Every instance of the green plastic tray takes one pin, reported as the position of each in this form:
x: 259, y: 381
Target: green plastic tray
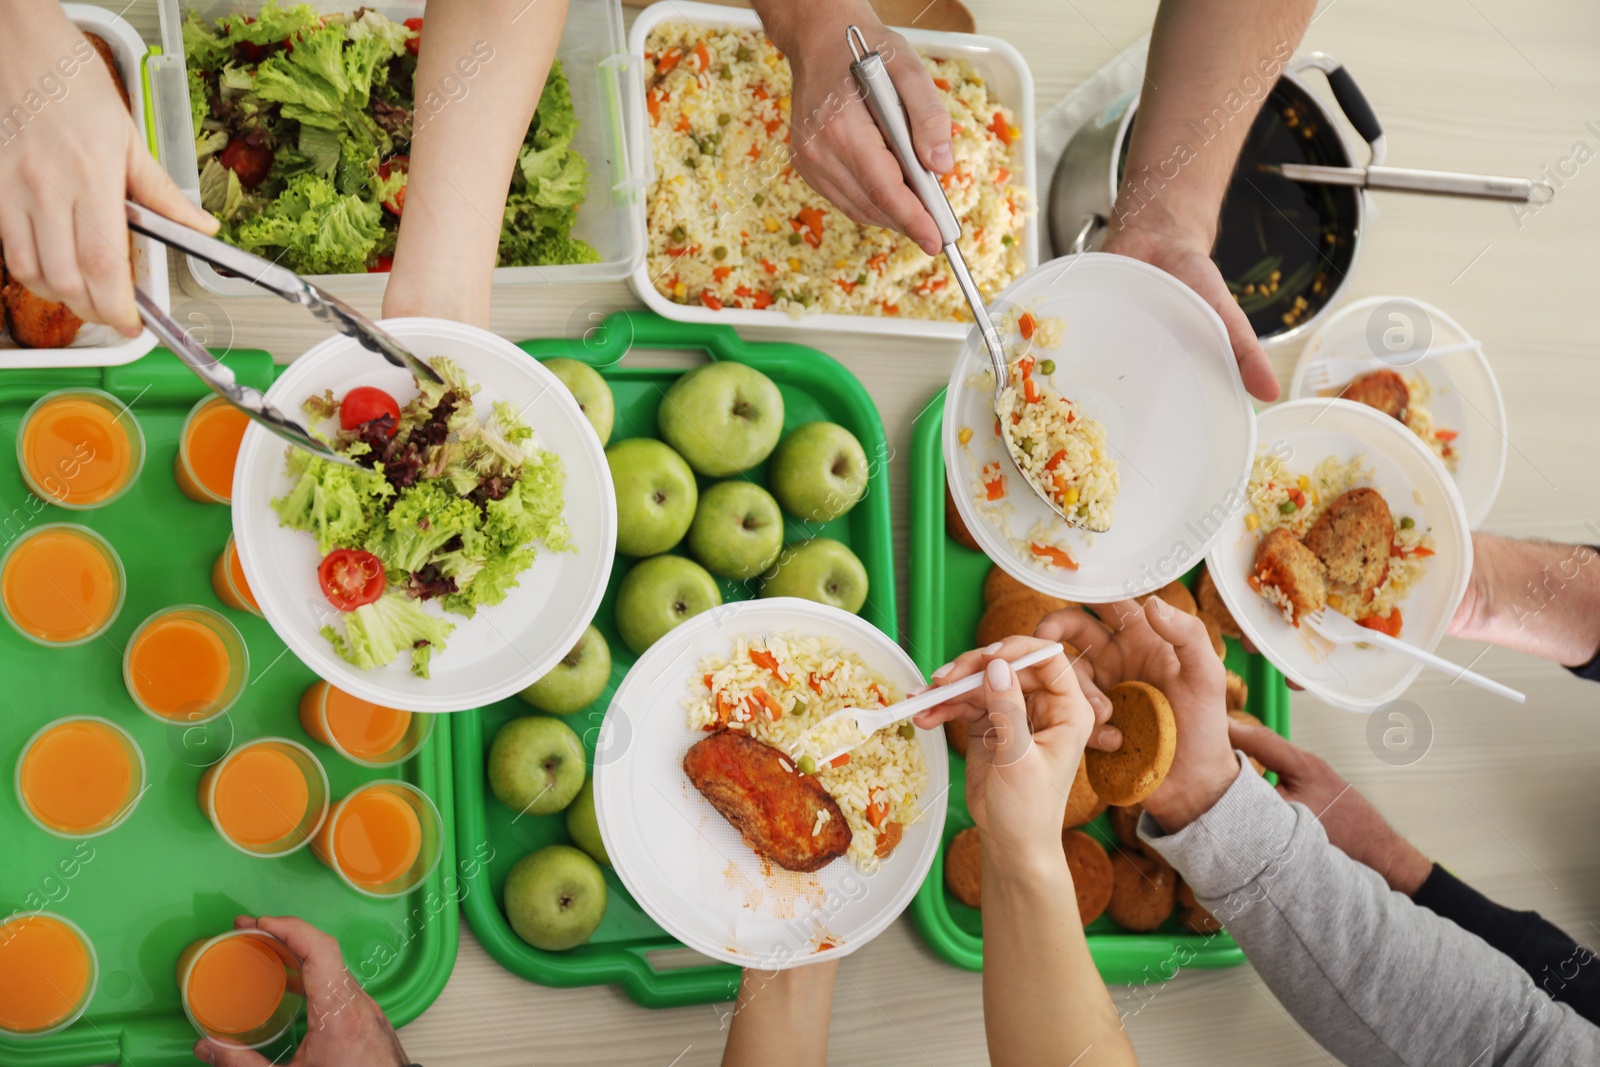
x: 629, y: 948
x: 946, y: 602
x: 164, y: 878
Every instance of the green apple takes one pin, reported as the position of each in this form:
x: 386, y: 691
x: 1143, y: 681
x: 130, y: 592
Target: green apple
x: 737, y: 530
x: 823, y: 570
x: 819, y: 472
x: 583, y: 827
x: 723, y: 417
x: 660, y: 593
x: 656, y: 495
x: 536, y: 765
x: 590, y: 391
x: 555, y: 898
x: 577, y: 680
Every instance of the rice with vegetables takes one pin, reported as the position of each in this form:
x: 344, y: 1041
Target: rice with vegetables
x: 732, y: 225
x: 1419, y: 420
x: 776, y: 688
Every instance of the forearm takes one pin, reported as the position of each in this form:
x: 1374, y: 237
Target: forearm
x: 479, y: 75
x: 788, y: 22
x: 1371, y: 976
x: 1534, y: 597
x: 1210, y: 66
x: 781, y: 1018
x: 1043, y: 1001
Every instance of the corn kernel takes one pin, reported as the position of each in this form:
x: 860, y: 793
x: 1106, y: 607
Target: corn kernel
x: 1335, y: 601
x: 1303, y: 482
x: 794, y: 264
x: 841, y: 263
x: 964, y: 435
x: 1071, y: 497
x: 1252, y: 522
x: 680, y: 289
x: 783, y: 104
x: 1098, y: 453
x: 770, y: 224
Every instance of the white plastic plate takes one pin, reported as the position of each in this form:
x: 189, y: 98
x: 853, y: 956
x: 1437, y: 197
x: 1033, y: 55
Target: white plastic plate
x: 1002, y: 68
x: 1302, y: 433
x: 500, y: 650
x: 1148, y: 358
x: 686, y: 865
x: 1466, y: 396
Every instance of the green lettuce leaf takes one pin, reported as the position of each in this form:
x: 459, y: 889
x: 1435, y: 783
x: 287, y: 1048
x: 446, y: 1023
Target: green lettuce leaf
x: 325, y: 231
x: 378, y: 632
x: 338, y: 505
x: 423, y: 518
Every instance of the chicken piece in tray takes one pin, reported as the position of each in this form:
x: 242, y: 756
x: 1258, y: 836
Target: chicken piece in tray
x: 1289, y: 575
x: 35, y: 322
x: 783, y: 815
x: 1352, y: 538
x: 1384, y: 390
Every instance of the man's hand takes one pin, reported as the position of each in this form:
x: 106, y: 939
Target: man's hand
x: 834, y: 142
x: 344, y: 1026
x: 1352, y: 824
x: 1157, y: 644
x: 1189, y: 260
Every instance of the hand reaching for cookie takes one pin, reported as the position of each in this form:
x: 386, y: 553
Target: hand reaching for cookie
x: 1161, y: 646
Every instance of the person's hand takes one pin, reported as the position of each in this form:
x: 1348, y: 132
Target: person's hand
x: 66, y: 172
x: 833, y: 140
x: 1164, y: 647
x: 1477, y: 608
x: 1026, y: 733
x: 1352, y: 824
x: 344, y: 1026
x: 1187, y: 257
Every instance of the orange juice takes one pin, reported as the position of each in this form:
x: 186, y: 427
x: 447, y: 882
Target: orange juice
x: 61, y: 584
x: 373, y: 836
x: 46, y: 974
x: 79, y: 776
x: 76, y: 448
x: 206, y: 454
x: 227, y: 581
x: 235, y: 985
x: 185, y: 664
x: 259, y: 796
x: 360, y: 729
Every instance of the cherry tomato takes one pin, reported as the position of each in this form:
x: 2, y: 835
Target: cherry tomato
x: 350, y: 578
x: 381, y: 265
x: 414, y: 45
x: 396, y: 202
x: 365, y: 403
x: 250, y: 162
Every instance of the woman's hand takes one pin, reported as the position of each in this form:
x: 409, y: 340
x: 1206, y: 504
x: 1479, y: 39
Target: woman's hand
x: 1026, y: 733
x: 1157, y: 644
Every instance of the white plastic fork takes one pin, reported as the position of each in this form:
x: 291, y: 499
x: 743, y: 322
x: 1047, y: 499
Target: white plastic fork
x: 1341, y: 370
x: 870, y: 720
x: 1342, y: 630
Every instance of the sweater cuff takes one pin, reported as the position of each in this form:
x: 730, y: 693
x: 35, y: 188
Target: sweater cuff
x: 1246, y: 831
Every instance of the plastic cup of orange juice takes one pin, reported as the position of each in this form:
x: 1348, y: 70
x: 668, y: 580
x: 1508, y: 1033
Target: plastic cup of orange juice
x: 80, y: 776
x: 48, y: 974
x: 185, y: 665
x: 61, y: 584
x: 267, y: 797
x: 79, y: 448
x: 359, y: 730
x: 227, y: 581
x: 207, y: 450
x: 241, y: 989
x: 383, y: 839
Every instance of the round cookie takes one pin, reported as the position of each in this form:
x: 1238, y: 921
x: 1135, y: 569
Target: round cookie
x: 998, y: 584
x: 1177, y: 594
x: 1143, y: 891
x: 1238, y: 692
x: 1091, y: 873
x: 1083, y: 803
x: 1212, y: 607
x: 1124, y: 822
x: 1192, y: 915
x: 1240, y: 715
x: 955, y: 735
x: 954, y: 526
x: 963, y: 867
x: 1214, y: 632
x: 1149, y: 741
x: 1019, y: 612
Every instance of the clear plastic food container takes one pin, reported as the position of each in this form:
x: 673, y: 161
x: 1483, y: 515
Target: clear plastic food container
x: 611, y: 139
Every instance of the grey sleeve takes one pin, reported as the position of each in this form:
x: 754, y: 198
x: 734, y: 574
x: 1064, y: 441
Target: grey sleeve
x: 1371, y: 976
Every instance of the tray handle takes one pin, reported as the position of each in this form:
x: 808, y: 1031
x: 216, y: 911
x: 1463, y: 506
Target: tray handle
x: 604, y: 345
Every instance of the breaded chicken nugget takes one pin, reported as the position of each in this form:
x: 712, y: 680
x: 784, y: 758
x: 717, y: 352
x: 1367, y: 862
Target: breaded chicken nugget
x: 1290, y: 575
x: 1352, y: 538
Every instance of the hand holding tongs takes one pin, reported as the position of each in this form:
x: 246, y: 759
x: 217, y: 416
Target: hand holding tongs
x: 274, y: 279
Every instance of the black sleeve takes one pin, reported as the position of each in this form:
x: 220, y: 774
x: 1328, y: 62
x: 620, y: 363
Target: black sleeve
x: 1589, y: 671
x: 1557, y: 964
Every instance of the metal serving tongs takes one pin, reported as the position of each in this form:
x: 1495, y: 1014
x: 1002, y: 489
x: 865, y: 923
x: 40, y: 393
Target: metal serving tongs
x: 878, y: 90
x: 274, y: 279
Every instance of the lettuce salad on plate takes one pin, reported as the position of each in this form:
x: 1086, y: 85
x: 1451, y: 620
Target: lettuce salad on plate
x: 452, y: 509
x: 303, y: 124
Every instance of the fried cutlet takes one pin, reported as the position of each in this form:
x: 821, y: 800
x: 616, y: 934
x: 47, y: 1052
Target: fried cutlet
x: 1290, y: 575
x: 773, y: 806
x: 1381, y: 389
x: 35, y: 322
x: 1352, y: 538
x: 104, y: 49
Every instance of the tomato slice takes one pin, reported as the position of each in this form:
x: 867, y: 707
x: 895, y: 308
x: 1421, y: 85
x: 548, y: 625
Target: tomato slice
x: 414, y: 45
x: 365, y: 403
x: 251, y: 162
x: 395, y: 203
x: 350, y: 578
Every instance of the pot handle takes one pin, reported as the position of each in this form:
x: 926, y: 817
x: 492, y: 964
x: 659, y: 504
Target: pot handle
x: 1352, y: 101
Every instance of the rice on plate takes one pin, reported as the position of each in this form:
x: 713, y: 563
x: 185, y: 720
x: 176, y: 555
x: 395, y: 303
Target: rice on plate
x: 777, y: 688
x: 732, y: 225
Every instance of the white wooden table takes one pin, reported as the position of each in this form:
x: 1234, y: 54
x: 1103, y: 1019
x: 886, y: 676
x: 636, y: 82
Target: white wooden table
x: 1504, y: 797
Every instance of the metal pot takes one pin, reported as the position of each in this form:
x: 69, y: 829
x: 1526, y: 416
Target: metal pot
x: 1084, y: 188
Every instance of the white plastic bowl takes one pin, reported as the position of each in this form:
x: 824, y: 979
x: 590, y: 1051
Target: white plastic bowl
x: 1414, y: 484
x: 686, y: 865
x: 500, y: 650
x: 1148, y: 358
